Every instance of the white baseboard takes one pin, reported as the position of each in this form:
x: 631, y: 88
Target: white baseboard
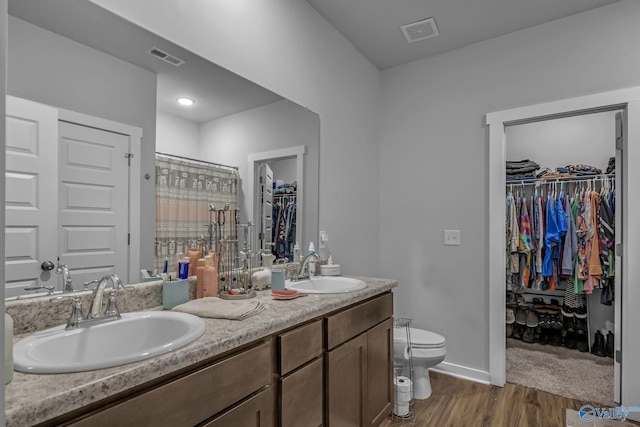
x: 463, y: 372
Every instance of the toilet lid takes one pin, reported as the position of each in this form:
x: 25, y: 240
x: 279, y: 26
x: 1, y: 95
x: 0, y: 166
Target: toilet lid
x: 421, y: 338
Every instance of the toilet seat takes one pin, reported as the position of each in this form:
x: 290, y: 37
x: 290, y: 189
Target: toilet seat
x: 421, y: 339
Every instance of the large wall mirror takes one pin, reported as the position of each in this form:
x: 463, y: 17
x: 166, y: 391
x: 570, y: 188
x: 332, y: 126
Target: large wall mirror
x: 106, y: 83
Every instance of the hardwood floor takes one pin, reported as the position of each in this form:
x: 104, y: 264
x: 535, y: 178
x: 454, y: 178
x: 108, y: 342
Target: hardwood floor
x: 461, y: 403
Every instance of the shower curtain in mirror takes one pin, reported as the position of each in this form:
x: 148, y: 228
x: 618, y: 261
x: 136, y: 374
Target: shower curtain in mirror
x: 185, y: 188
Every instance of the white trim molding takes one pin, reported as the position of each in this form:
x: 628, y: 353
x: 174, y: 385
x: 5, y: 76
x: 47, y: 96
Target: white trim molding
x: 628, y: 99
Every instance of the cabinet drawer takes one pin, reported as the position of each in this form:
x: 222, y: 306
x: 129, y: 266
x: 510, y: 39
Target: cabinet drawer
x: 301, y: 397
x: 195, y: 397
x: 348, y: 323
x: 254, y: 412
x: 298, y: 346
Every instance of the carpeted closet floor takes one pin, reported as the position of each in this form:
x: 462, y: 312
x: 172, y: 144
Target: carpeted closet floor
x: 562, y: 371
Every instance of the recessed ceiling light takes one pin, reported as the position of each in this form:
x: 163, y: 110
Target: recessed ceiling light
x: 187, y: 102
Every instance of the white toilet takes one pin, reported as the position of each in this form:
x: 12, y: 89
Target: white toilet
x: 427, y: 350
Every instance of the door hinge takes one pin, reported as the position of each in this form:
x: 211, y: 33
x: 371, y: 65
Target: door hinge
x: 618, y: 356
x: 128, y: 156
x: 128, y: 239
x: 619, y: 250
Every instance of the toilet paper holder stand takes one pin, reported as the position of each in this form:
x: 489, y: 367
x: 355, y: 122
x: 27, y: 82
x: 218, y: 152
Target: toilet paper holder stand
x: 403, y: 406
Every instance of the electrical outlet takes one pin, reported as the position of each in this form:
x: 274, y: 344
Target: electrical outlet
x: 451, y: 237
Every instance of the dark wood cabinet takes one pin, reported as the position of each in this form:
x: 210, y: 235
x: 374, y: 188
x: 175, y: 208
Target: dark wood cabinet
x: 379, y: 372
x: 300, y: 402
x: 254, y: 412
x: 347, y: 383
x: 359, y: 372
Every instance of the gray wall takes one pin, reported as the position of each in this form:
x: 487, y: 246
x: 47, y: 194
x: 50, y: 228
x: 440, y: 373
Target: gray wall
x: 434, y: 157
x: 53, y: 70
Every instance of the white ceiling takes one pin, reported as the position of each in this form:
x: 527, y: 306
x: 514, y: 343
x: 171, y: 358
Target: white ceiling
x: 217, y: 91
x: 373, y: 26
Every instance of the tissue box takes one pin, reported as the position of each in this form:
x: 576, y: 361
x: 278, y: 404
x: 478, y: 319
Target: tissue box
x: 175, y: 293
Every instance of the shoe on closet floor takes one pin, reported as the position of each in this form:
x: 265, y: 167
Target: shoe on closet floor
x: 544, y: 336
x: 555, y: 319
x: 543, y: 319
x: 510, y: 327
x: 511, y: 300
x: 511, y: 317
x: 581, y: 312
x: 521, y: 316
x: 528, y: 335
x: 567, y: 311
x: 532, y: 319
x: 556, y: 338
x: 518, y: 331
x: 609, y: 346
x: 570, y: 339
x: 598, y: 345
x: 581, y: 341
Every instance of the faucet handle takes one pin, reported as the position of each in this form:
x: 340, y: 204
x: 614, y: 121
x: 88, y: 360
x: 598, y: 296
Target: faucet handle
x: 85, y: 285
x: 49, y: 289
x: 112, y: 304
x: 76, y: 315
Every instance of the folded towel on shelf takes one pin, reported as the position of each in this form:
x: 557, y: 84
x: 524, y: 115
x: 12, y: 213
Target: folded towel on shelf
x: 217, y: 308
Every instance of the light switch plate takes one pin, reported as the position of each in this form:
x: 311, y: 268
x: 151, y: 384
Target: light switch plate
x: 451, y: 238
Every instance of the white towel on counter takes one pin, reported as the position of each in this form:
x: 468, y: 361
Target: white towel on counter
x: 221, y: 309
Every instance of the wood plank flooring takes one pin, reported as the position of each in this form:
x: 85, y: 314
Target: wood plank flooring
x: 460, y: 403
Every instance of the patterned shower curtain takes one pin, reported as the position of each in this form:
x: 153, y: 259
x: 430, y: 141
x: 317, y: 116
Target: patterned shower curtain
x: 185, y: 189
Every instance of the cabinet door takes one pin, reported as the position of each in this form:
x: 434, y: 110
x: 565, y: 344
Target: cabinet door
x: 301, y: 397
x: 254, y: 412
x: 346, y: 368
x: 379, y: 372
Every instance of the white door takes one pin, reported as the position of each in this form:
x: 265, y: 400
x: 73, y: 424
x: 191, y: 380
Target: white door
x: 31, y: 195
x: 93, y: 202
x: 266, y: 207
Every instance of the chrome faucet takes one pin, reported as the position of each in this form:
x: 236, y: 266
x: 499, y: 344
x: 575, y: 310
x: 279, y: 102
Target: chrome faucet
x: 96, y: 303
x: 77, y: 319
x: 66, y: 276
x: 304, y: 262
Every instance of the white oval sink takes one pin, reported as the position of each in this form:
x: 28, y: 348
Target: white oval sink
x: 136, y: 336
x: 327, y: 285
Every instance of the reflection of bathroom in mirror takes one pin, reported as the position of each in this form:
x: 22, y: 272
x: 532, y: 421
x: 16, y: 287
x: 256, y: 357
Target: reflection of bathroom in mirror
x: 94, y: 70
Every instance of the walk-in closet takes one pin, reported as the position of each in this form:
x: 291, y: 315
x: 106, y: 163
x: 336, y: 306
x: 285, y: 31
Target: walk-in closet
x: 560, y: 279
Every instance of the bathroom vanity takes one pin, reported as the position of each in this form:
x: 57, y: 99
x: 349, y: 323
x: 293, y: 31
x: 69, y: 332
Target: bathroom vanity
x: 305, y: 362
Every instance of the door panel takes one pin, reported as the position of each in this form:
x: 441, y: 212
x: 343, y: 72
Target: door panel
x: 620, y: 132
x: 93, y: 202
x: 30, y: 205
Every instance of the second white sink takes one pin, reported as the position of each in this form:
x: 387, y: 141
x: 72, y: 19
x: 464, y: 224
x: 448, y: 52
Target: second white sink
x: 136, y: 336
x: 327, y: 285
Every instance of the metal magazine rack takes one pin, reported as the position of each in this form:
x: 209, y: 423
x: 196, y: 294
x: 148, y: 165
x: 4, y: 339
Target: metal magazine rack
x: 403, y: 408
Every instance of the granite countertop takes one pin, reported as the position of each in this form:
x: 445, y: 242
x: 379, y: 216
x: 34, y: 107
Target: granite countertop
x: 33, y: 398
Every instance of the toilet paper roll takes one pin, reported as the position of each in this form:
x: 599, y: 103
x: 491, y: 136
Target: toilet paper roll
x: 400, y: 410
x: 403, y: 390
x: 401, y: 350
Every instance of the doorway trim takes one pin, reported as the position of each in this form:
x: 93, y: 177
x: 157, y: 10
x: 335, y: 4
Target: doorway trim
x: 255, y: 159
x: 497, y: 121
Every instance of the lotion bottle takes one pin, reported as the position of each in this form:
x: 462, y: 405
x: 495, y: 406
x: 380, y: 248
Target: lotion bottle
x: 200, y: 272
x: 311, y: 265
x: 210, y: 283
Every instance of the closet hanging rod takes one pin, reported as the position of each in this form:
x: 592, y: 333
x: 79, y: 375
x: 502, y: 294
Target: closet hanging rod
x: 541, y: 181
x: 197, y: 160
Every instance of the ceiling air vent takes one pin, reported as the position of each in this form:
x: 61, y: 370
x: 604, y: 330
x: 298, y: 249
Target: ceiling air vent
x: 420, y: 30
x: 167, y: 57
